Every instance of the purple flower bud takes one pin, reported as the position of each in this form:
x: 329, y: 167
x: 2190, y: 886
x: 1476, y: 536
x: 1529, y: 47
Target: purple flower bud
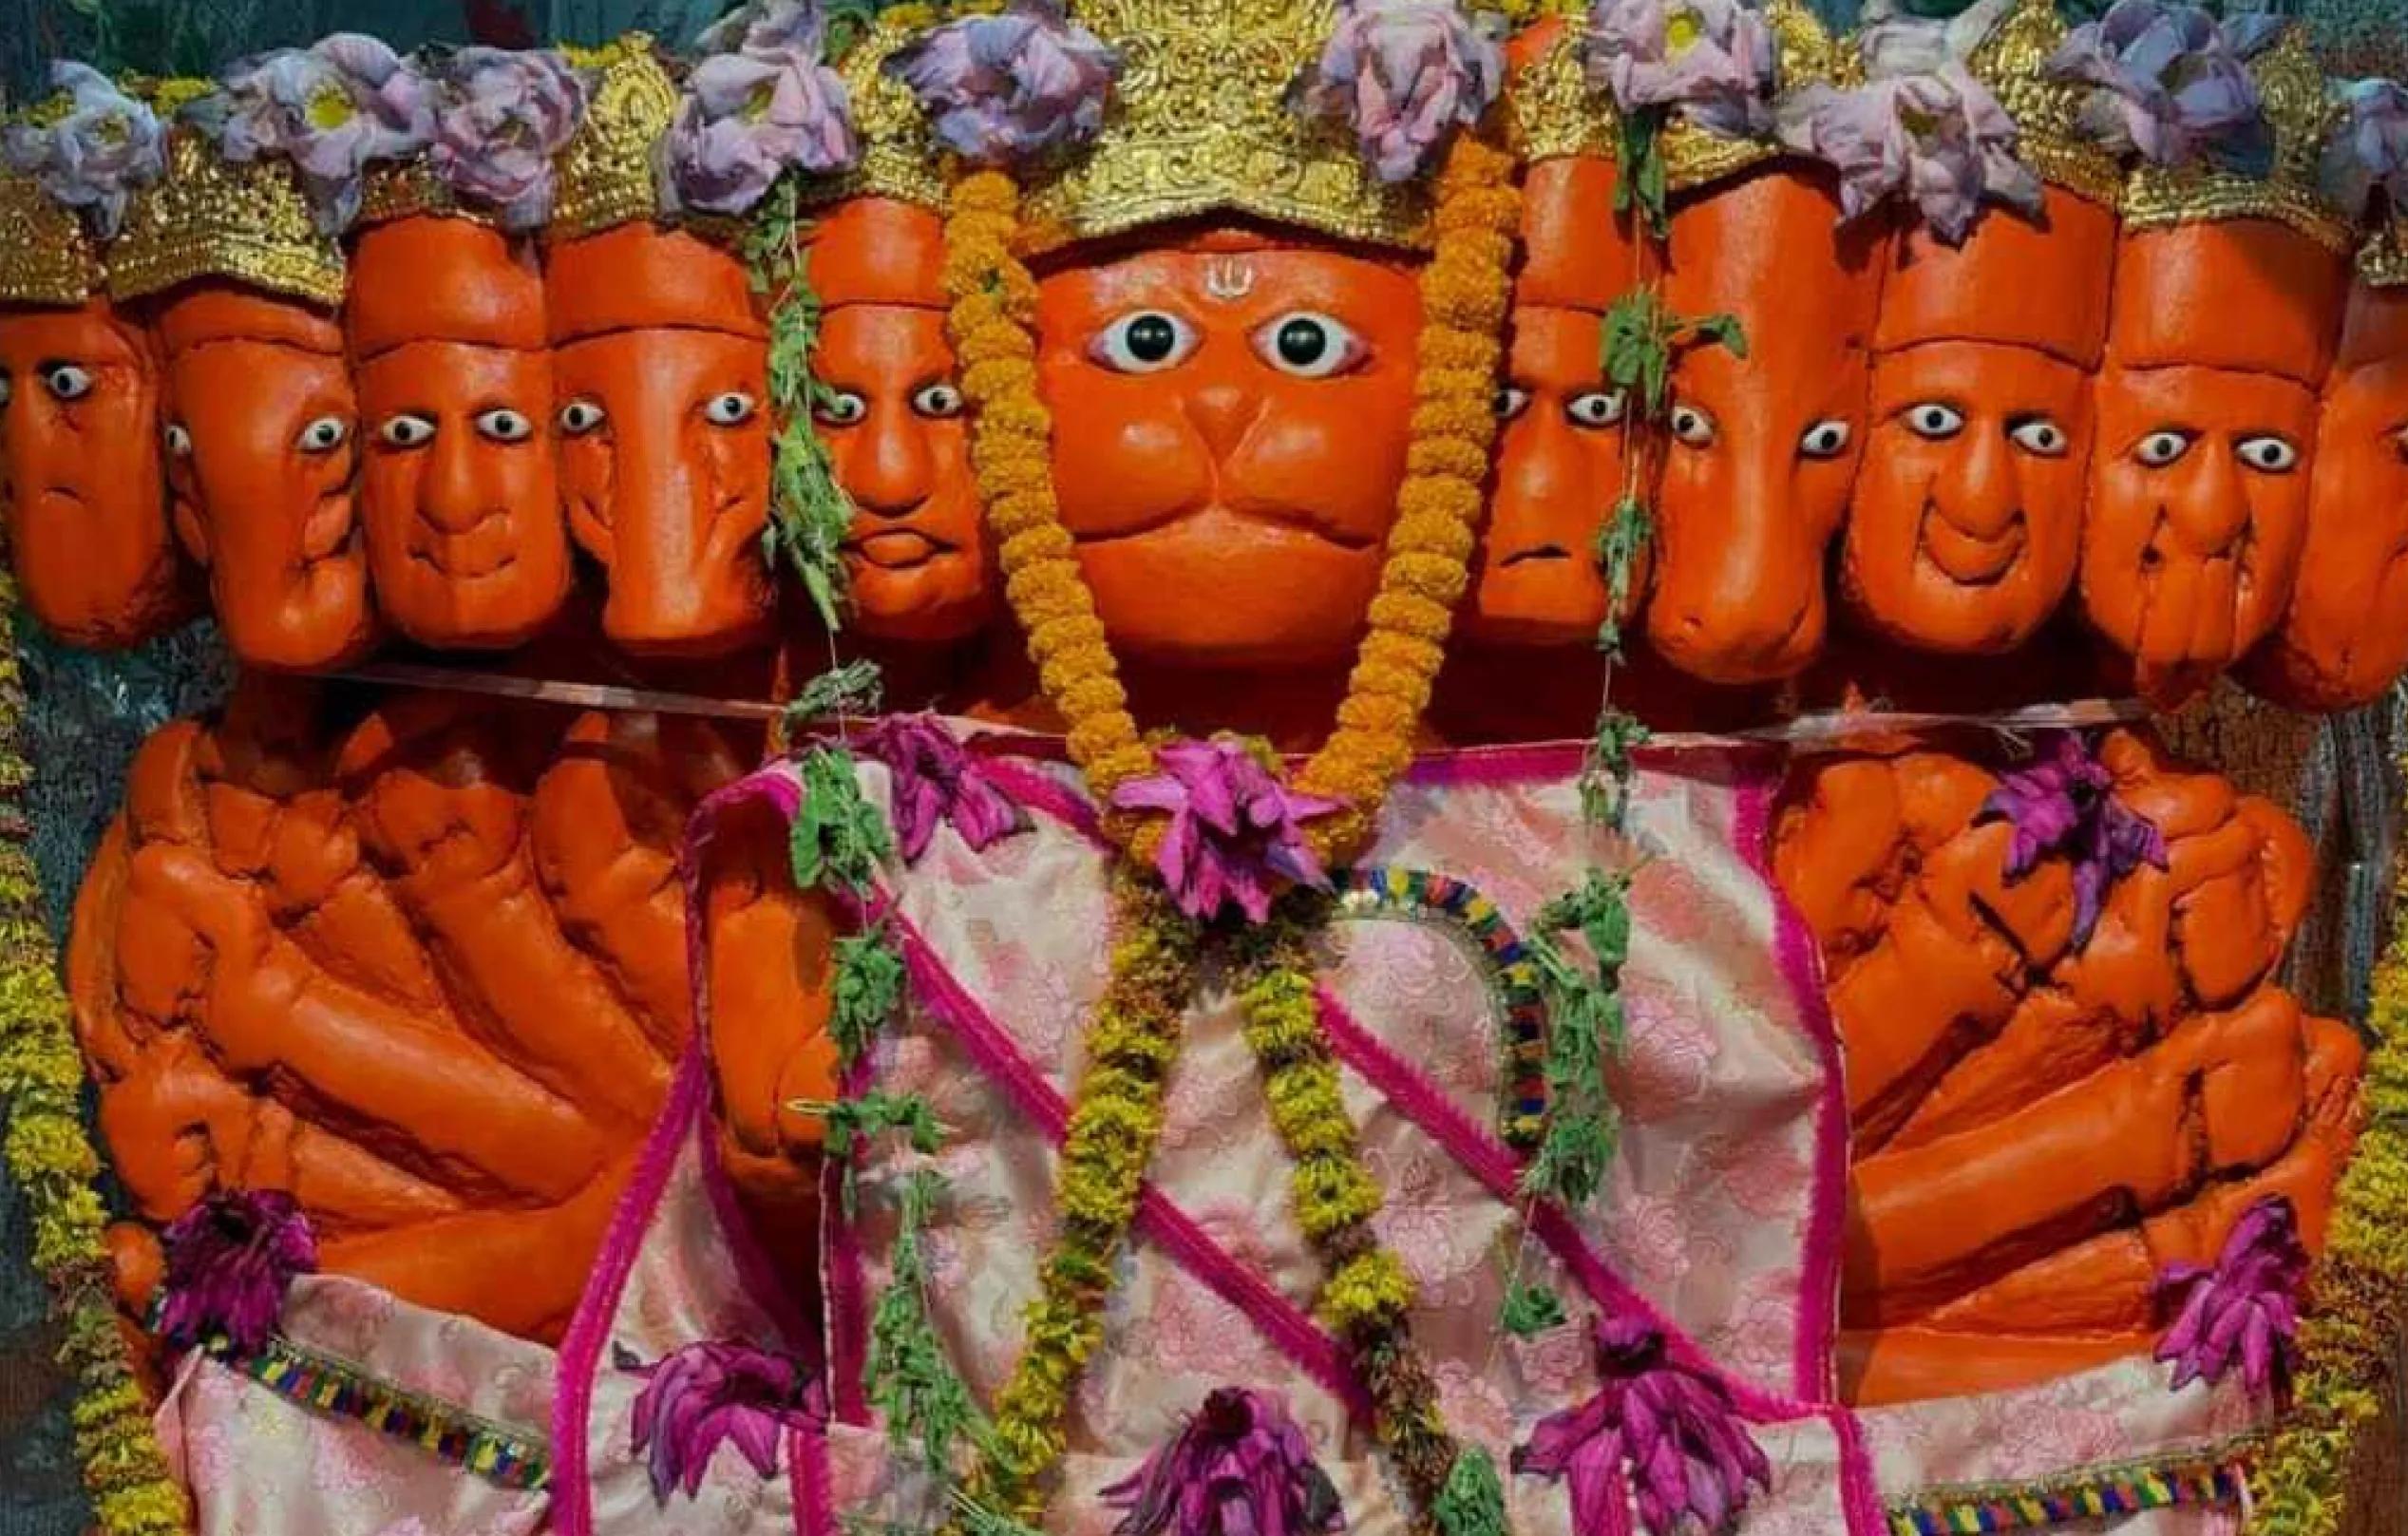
x: 2370, y: 149
x: 1404, y: 74
x: 1711, y: 61
x: 2169, y: 84
x: 2065, y: 804
x: 2243, y: 1311
x: 1234, y: 829
x: 95, y: 156
x: 329, y: 109
x: 1242, y: 1464
x: 502, y: 115
x: 752, y: 111
x: 711, y: 1392
x: 1939, y: 139
x: 935, y: 780
x: 229, y: 1259
x: 768, y: 25
x: 1012, y: 87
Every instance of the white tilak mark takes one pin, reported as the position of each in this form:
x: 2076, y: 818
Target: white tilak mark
x: 1228, y: 278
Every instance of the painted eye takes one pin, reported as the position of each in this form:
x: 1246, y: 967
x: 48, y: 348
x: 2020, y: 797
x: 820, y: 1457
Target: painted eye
x: 938, y: 402
x: 1825, y: 438
x: 324, y: 435
x: 66, y: 382
x: 1511, y: 400
x: 502, y: 425
x: 838, y: 407
x: 2269, y: 454
x: 1594, y: 409
x: 1692, y: 425
x: 180, y: 439
x: 579, y: 417
x: 1145, y: 342
x: 1310, y: 345
x: 733, y: 409
x: 406, y: 431
x: 2040, y: 435
x: 2159, y: 449
x: 1935, y: 421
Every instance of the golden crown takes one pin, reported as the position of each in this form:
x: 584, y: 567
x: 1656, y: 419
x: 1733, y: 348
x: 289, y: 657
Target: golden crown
x: 900, y: 157
x: 2382, y: 261
x: 1550, y: 109
x: 1807, y: 54
x: 605, y: 175
x: 208, y: 218
x: 405, y: 189
x: 1199, y: 124
x: 2303, y: 115
x: 45, y: 256
x: 2013, y: 61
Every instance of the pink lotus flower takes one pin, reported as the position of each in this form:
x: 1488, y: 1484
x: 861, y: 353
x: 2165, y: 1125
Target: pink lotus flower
x: 1404, y: 73
x: 2168, y: 84
x: 329, y: 109
x: 1938, y: 139
x: 229, y: 1260
x: 503, y: 114
x: 1711, y: 61
x: 713, y: 1391
x: 1234, y: 827
x: 751, y: 113
x: 94, y: 157
x: 1240, y: 1468
x: 1009, y: 87
x: 1656, y: 1431
x: 2066, y: 805
x: 935, y: 780
x: 2245, y: 1311
x: 2370, y: 149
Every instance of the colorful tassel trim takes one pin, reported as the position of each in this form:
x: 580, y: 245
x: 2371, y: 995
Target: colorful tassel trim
x: 501, y: 1456
x: 2116, y: 1491
x: 1425, y: 896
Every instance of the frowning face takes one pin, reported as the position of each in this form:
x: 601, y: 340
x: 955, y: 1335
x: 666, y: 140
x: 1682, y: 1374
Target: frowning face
x: 1230, y: 431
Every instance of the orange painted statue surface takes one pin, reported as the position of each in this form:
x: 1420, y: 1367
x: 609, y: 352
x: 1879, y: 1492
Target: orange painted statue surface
x: 1232, y: 436
x: 2040, y: 1130
x: 1764, y: 448
x: 660, y: 382
x: 2218, y: 344
x: 1968, y: 514
x: 87, y: 525
x: 262, y: 456
x: 465, y: 539
x: 895, y: 424
x: 2345, y: 636
x: 425, y: 970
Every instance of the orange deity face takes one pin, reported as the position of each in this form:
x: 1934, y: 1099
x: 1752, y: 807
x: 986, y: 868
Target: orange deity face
x: 262, y: 451
x: 1764, y: 448
x: 79, y: 475
x: 1966, y: 523
x: 1231, y: 424
x: 2207, y: 415
x: 465, y: 539
x: 2342, y: 642
x: 660, y: 382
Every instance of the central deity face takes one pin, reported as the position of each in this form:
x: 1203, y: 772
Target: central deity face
x: 262, y: 454
x: 80, y: 472
x: 1230, y: 429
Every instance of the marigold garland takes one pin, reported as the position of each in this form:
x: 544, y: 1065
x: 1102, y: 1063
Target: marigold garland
x: 53, y: 1161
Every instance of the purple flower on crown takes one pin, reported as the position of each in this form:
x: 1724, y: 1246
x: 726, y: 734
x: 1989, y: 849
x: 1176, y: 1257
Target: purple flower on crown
x: 935, y: 780
x: 1240, y: 1468
x: 2167, y: 84
x: 95, y: 156
x: 2370, y: 149
x: 1711, y: 61
x: 716, y: 1392
x: 501, y: 115
x: 1009, y: 87
x: 1405, y: 74
x: 1234, y: 827
x: 229, y: 1259
x: 2244, y: 1310
x: 1656, y: 1431
x: 760, y: 104
x: 329, y: 109
x: 1938, y: 139
x: 2065, y: 803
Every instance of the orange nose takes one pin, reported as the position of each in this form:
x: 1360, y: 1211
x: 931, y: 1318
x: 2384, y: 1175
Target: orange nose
x: 889, y: 469
x: 1224, y: 412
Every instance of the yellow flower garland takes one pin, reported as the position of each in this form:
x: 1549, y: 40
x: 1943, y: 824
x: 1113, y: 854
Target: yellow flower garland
x: 53, y: 1161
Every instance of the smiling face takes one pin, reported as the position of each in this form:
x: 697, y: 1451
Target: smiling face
x: 1764, y: 448
x: 661, y: 383
x: 1232, y: 435
x: 262, y: 446
x: 80, y: 474
x: 464, y: 534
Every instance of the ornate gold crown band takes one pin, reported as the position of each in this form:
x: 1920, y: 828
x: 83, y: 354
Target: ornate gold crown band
x: 209, y: 219
x: 2303, y: 116
x: 45, y: 256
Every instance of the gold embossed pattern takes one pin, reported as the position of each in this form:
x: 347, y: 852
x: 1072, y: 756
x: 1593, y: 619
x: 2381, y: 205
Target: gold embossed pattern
x: 2382, y: 261
x: 209, y: 219
x: 1551, y: 112
x: 900, y: 157
x: 2303, y: 116
x: 2013, y: 61
x: 604, y: 178
x: 45, y: 258
x: 1808, y: 55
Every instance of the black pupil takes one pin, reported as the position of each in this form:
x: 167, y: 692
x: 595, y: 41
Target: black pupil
x: 1303, y: 342
x: 1151, y: 337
